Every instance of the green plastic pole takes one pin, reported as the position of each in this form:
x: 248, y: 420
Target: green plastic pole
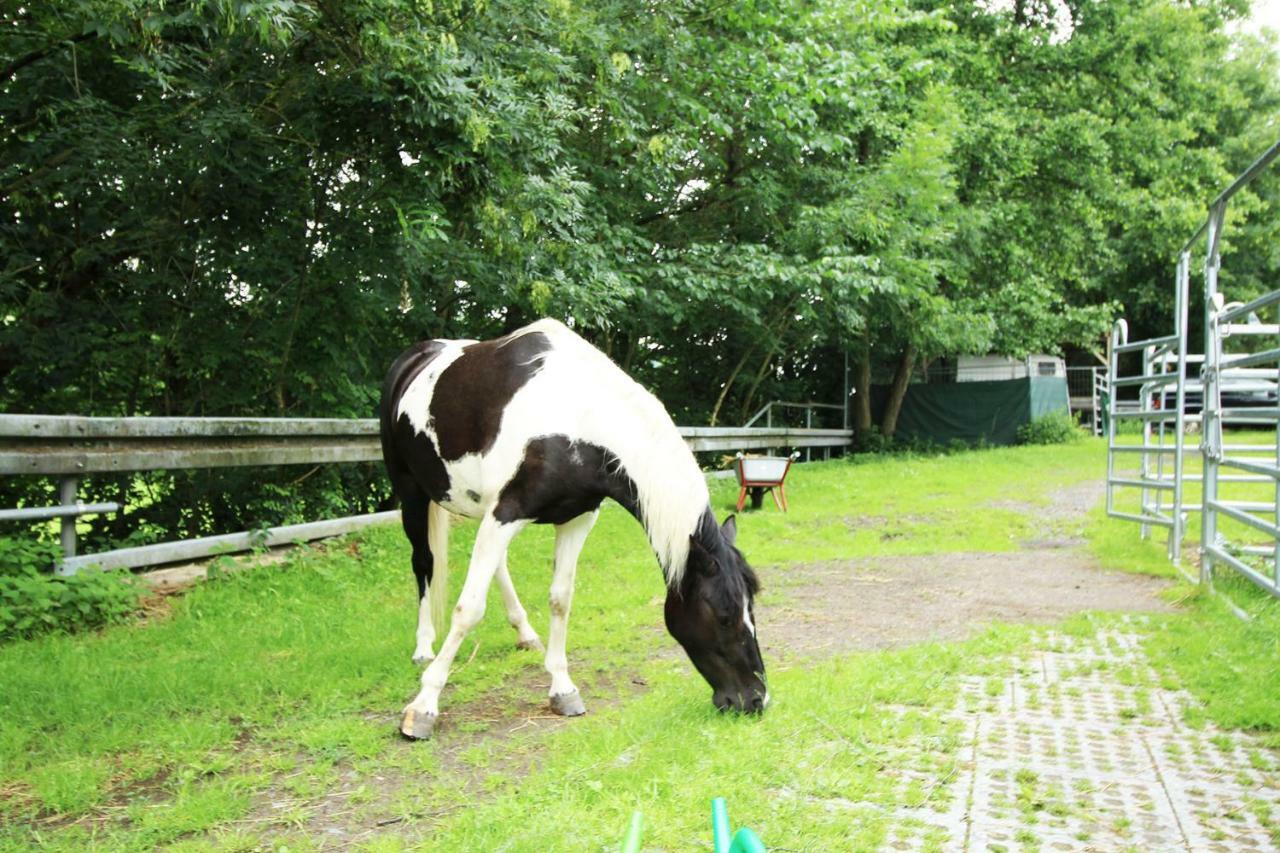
x: 720, y: 825
x: 631, y: 841
x: 746, y: 841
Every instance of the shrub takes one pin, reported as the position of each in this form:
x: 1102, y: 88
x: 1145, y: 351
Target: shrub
x: 33, y: 601
x: 25, y: 556
x: 1053, y: 428
x: 873, y: 441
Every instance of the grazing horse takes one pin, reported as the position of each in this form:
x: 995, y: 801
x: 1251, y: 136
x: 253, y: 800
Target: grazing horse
x: 540, y: 426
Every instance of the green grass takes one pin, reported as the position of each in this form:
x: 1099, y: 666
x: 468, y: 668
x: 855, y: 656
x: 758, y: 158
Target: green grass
x: 268, y: 699
x: 894, y: 505
x: 813, y: 772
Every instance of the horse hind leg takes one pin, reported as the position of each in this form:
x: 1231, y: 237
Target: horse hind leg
x: 570, y: 537
x: 527, y: 638
x: 413, y: 518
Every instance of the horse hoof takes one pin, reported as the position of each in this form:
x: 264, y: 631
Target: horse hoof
x: 423, y: 660
x: 417, y: 726
x: 531, y: 645
x: 568, y: 704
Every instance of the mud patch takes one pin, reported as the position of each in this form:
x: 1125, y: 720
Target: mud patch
x: 856, y: 605
x: 497, y: 729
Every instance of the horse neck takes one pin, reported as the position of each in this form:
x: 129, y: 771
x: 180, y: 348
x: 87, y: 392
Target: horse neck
x: 662, y: 486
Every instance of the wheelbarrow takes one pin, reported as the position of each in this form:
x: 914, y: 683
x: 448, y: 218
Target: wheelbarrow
x: 760, y: 474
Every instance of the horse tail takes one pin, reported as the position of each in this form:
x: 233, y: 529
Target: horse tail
x: 438, y: 520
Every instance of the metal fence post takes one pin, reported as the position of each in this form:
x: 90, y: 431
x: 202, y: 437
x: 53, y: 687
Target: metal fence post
x: 1144, y: 462
x: 1182, y: 298
x: 1119, y: 335
x: 67, y: 497
x: 808, y: 424
x: 1210, y: 425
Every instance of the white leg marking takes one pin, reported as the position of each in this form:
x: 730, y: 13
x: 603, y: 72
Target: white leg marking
x: 491, y: 547
x: 426, y: 632
x: 570, y: 538
x: 527, y: 638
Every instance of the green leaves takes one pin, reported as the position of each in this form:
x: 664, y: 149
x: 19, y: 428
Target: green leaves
x: 250, y: 206
x: 32, y: 604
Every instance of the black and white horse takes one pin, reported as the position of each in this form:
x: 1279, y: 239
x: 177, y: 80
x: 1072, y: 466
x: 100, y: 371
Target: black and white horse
x: 540, y: 426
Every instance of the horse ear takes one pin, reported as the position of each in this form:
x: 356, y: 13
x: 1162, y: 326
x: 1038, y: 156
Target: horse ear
x: 729, y: 530
x: 700, y: 559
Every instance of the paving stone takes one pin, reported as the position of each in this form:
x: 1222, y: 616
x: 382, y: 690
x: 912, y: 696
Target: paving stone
x: 1079, y: 747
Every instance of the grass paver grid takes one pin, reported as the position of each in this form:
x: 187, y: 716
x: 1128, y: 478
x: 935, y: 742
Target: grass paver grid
x: 1080, y: 747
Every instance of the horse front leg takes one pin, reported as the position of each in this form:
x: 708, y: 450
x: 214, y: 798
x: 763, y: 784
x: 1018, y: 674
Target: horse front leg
x: 570, y: 537
x: 490, y: 549
x: 526, y: 637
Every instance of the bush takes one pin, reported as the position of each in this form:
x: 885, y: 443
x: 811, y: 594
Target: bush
x: 33, y: 601
x: 1053, y: 428
x: 873, y: 441
x: 22, y: 557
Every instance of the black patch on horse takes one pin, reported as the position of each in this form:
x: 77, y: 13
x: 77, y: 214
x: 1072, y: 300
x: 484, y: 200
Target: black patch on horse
x: 560, y: 479
x: 473, y: 392
x: 412, y: 462
x: 709, y: 537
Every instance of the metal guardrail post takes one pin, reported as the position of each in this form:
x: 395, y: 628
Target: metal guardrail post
x: 67, y: 497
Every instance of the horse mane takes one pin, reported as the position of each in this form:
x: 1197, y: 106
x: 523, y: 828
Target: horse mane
x: 669, y: 489
x: 729, y: 558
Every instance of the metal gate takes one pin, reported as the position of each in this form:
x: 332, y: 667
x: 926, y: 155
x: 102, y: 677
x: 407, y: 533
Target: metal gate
x: 1160, y: 408
x: 1240, y: 351
x: 1168, y: 402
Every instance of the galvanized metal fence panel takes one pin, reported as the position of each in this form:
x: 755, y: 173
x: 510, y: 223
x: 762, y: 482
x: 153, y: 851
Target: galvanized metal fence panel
x: 1082, y: 395
x: 1163, y: 407
x: 1258, y: 561
x: 1162, y: 367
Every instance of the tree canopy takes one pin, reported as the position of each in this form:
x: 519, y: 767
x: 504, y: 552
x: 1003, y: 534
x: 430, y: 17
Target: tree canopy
x: 248, y: 208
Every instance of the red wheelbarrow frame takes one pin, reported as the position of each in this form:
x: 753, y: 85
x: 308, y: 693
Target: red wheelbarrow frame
x: 774, y: 487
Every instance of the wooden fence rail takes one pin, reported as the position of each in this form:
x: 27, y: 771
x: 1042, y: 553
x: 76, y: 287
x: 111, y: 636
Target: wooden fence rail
x: 68, y: 447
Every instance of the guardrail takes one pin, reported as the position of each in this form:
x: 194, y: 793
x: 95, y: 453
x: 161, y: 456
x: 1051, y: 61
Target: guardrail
x: 69, y: 447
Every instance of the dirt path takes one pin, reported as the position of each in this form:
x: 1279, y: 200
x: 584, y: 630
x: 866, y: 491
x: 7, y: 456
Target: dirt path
x: 831, y: 608
x: 853, y: 605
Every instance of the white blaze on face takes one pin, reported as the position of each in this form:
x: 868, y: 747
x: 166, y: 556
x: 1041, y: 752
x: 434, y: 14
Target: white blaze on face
x: 746, y: 616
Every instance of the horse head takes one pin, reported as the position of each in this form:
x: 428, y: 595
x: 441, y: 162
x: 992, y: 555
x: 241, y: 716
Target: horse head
x: 709, y: 612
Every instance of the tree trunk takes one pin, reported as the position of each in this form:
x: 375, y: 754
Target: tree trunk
x: 755, y: 384
x: 728, y: 383
x: 898, y: 390
x: 633, y: 343
x: 862, y: 388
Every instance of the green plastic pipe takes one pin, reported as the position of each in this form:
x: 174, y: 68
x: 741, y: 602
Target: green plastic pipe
x: 631, y: 841
x: 720, y: 825
x: 746, y: 841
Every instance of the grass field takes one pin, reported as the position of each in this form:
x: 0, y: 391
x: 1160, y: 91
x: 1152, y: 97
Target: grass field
x: 260, y: 709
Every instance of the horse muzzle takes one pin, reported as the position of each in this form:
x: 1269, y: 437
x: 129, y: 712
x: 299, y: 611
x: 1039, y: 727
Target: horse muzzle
x: 750, y: 701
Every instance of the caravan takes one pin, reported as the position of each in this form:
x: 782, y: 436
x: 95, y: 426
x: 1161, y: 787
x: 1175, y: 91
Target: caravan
x: 991, y: 368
